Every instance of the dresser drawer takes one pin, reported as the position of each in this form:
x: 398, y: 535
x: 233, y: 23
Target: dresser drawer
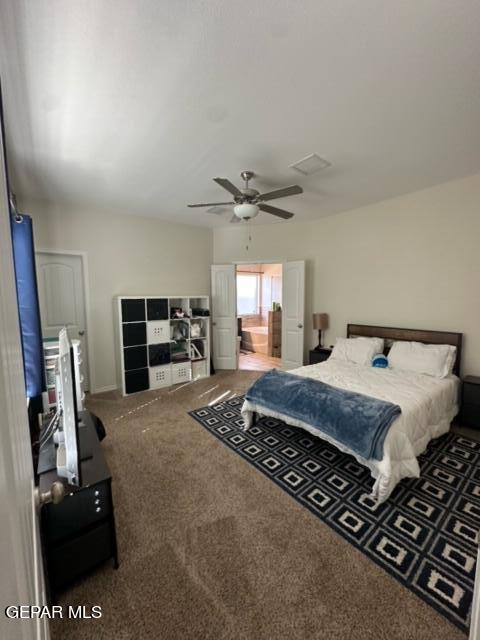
x: 96, y: 503
x: 471, y: 416
x: 471, y: 394
x: 75, y: 557
x: 77, y: 511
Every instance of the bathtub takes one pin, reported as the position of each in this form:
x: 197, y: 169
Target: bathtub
x: 255, y: 339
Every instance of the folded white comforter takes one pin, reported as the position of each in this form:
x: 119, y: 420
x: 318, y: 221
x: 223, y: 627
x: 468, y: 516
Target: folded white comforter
x: 428, y: 406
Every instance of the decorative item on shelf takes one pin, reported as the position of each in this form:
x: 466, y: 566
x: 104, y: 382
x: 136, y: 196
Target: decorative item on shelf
x: 178, y: 313
x: 320, y: 323
x: 195, y: 330
x: 196, y: 311
x: 195, y: 352
x: 180, y: 331
x: 276, y: 306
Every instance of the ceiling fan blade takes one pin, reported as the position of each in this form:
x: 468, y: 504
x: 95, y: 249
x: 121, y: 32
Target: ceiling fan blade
x: 275, y: 211
x: 235, y: 219
x: 281, y: 193
x: 226, y: 184
x: 210, y: 204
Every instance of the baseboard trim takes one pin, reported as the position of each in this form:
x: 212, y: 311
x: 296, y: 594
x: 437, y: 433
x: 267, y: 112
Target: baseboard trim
x: 110, y: 387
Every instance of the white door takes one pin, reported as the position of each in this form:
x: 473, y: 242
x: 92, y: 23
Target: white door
x: 61, y: 291
x: 21, y: 574
x: 224, y: 316
x: 293, y: 306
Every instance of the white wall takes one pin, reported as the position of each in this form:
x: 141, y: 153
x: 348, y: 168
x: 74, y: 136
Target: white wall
x: 412, y: 261
x: 126, y: 255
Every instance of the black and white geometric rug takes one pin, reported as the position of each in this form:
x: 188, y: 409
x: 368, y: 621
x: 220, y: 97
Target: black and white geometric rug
x: 424, y: 535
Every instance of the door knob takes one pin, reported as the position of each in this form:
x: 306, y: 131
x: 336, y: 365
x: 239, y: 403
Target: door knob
x: 54, y: 495
x: 81, y: 333
x: 300, y: 326
x: 214, y: 324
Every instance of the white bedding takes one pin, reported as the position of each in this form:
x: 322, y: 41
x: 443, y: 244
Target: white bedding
x: 428, y: 406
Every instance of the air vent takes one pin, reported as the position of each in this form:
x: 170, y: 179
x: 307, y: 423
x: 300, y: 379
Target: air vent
x: 310, y: 164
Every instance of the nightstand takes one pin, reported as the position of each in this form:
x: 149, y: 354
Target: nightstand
x: 320, y: 355
x: 471, y: 402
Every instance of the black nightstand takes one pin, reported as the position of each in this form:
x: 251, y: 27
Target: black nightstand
x: 319, y: 355
x: 471, y: 402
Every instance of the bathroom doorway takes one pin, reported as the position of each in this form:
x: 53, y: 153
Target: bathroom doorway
x: 259, y: 316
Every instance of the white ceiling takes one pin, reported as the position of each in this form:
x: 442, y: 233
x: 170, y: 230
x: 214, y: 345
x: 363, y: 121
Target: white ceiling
x: 133, y: 106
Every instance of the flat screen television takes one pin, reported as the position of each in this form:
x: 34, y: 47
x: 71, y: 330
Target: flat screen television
x: 68, y: 451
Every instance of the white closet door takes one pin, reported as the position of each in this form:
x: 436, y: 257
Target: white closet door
x: 61, y: 293
x: 224, y: 316
x: 293, y: 305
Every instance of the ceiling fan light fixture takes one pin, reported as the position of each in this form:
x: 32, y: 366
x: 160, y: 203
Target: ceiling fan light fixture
x: 246, y: 210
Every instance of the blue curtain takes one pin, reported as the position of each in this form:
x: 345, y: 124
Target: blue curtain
x: 28, y: 307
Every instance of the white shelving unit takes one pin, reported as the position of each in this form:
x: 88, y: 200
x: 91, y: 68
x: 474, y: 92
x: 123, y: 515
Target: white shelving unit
x: 161, y: 341
x: 50, y: 357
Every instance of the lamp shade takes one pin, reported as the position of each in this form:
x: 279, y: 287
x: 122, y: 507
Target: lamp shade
x: 320, y: 321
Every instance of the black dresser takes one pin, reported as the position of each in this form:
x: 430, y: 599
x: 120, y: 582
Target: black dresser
x: 471, y: 402
x: 319, y: 355
x: 78, y: 534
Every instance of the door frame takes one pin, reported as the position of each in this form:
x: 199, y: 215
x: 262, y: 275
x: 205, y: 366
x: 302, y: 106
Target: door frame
x: 83, y: 255
x: 22, y: 580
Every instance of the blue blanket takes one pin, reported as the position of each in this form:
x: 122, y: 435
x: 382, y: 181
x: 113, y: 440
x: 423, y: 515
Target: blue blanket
x: 359, y: 422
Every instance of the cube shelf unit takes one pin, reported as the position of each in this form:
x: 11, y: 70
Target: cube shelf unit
x: 155, y: 348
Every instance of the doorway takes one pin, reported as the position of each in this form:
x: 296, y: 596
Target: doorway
x: 225, y: 316
x: 62, y: 298
x: 259, y: 316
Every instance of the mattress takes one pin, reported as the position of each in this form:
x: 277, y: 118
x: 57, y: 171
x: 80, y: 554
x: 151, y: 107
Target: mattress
x: 428, y: 406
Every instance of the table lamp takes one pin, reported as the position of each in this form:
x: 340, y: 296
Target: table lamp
x: 320, y: 322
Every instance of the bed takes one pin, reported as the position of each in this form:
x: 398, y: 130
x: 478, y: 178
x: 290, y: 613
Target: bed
x: 428, y: 404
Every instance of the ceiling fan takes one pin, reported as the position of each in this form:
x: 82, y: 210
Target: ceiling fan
x: 248, y: 202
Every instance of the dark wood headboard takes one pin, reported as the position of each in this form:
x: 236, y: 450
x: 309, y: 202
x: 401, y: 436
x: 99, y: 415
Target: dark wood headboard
x: 390, y: 334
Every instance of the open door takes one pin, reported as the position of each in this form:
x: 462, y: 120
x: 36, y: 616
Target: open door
x: 293, y: 302
x: 224, y: 316
x: 21, y: 576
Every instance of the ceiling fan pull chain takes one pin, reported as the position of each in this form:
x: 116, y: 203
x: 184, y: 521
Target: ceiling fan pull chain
x: 249, y: 236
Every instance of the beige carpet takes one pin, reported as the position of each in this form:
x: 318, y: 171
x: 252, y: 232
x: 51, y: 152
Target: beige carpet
x: 211, y: 549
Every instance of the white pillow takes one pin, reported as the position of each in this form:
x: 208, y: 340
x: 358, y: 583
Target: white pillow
x: 431, y: 359
x: 358, y: 350
x: 451, y: 358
